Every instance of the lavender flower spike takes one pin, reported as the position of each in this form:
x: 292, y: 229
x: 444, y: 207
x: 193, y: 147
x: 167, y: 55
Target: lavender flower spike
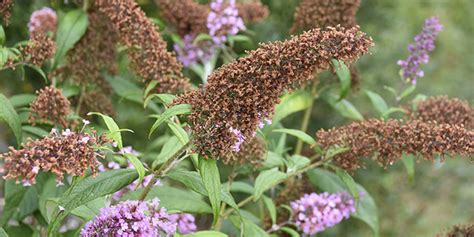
x: 43, y: 21
x: 424, y: 43
x: 131, y: 218
x: 224, y: 20
x: 186, y: 222
x: 190, y: 53
x: 314, y: 212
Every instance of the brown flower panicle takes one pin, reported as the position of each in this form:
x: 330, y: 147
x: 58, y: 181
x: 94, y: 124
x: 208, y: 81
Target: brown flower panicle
x: 96, y: 101
x: 5, y: 7
x: 67, y: 153
x: 322, y: 13
x: 241, y: 94
x: 146, y: 48
x: 442, y: 109
x: 39, y: 49
x: 388, y: 140
x: 253, y: 152
x: 460, y: 231
x: 50, y: 106
x: 190, y: 17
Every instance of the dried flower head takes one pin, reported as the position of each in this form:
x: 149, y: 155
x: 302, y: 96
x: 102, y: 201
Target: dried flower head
x: 459, y: 231
x: 187, y: 16
x: 147, y: 50
x: 242, y: 94
x: 314, y: 212
x: 252, y: 12
x: 96, y: 101
x: 39, y: 49
x: 99, y: 47
x: 61, y: 153
x: 43, y: 21
x: 224, y: 20
x: 131, y: 218
x: 312, y: 14
x: 50, y: 106
x: 388, y: 140
x: 442, y: 109
x: 5, y: 7
x: 424, y: 43
x: 185, y: 222
x: 252, y: 151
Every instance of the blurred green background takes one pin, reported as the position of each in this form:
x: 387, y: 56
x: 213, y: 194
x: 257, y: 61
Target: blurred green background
x: 442, y: 194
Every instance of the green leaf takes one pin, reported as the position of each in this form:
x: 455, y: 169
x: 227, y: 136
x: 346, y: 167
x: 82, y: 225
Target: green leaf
x: 14, y: 194
x: 70, y: 30
x: 179, y: 132
x: 409, y: 163
x: 174, y: 199
x: 266, y: 180
x: 2, y: 35
x: 201, y: 37
x: 29, y: 203
x: 22, y: 100
x: 271, y: 208
x: 239, y: 186
x: 211, y: 180
x: 114, y: 130
x: 39, y: 71
x: 126, y: 89
x: 3, y: 233
x: 9, y: 115
x: 407, y: 92
x: 291, y: 232
x: 377, y: 101
x: 347, y: 109
x: 206, y: 233
x: 138, y: 167
x: 165, y: 99
x: 35, y: 131
x: 344, y: 75
x: 349, y: 182
x: 170, y: 148
x: 292, y: 103
x: 173, y: 111
x: 297, y: 133
x: 251, y: 229
x: 297, y: 162
x: 150, y: 87
x: 393, y: 110
x: 91, y: 209
x: 273, y: 160
x: 330, y: 182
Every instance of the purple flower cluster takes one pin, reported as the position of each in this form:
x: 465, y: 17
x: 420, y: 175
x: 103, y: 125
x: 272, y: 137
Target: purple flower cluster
x: 314, y: 212
x: 131, y: 218
x: 42, y: 21
x: 424, y: 43
x: 240, y: 139
x: 224, y: 20
x: 185, y: 222
x: 190, y: 53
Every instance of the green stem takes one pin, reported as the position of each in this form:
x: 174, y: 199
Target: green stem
x: 162, y: 171
x: 307, y: 115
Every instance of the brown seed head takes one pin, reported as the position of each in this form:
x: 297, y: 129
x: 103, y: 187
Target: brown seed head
x: 388, y: 140
x: 253, y: 151
x: 147, y: 50
x: 39, y: 49
x: 241, y: 94
x: 322, y: 13
x: 50, y: 106
x: 460, y: 231
x: 442, y: 109
x: 67, y: 153
x: 96, y: 101
x: 252, y: 12
x: 5, y: 7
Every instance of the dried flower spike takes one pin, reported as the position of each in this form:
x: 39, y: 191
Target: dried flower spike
x: 42, y: 21
x: 252, y: 12
x: 466, y: 230
x: 442, y: 109
x: 253, y: 151
x: 424, y: 43
x: 131, y: 218
x: 5, y: 7
x: 50, y: 106
x: 186, y: 16
x: 312, y: 14
x: 388, y: 140
x: 242, y: 94
x: 147, y: 50
x: 66, y: 153
x: 39, y: 49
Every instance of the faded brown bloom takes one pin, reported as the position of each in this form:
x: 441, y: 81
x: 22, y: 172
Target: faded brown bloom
x: 241, y: 94
x: 460, y: 231
x: 5, y: 7
x: 442, y: 109
x: 190, y: 17
x: 39, y: 49
x: 322, y: 13
x: 96, y: 101
x: 50, y: 106
x: 95, y: 53
x: 253, y: 151
x: 147, y: 50
x: 67, y: 153
x: 388, y: 140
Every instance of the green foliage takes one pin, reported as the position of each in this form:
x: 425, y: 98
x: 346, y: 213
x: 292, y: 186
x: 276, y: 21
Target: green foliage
x: 211, y: 180
x: 70, y: 30
x: 9, y: 115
